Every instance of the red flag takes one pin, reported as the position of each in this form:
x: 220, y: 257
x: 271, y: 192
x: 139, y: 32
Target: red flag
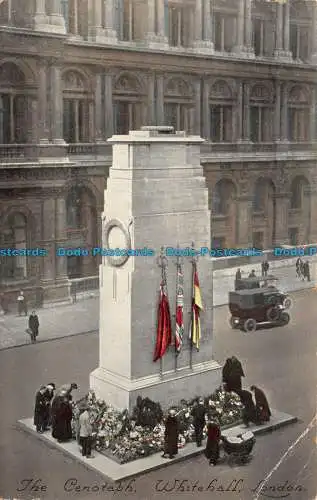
x: 164, y: 326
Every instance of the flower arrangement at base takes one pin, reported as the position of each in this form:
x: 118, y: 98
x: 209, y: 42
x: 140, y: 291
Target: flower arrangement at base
x: 129, y: 437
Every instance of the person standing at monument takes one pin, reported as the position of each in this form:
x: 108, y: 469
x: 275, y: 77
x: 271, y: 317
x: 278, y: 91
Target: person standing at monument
x: 213, y: 442
x: 232, y: 374
x: 263, y: 411
x: 199, y: 414
x: 48, y: 396
x: 39, y: 409
x: 34, y: 326
x: 85, y: 432
x: 62, y: 415
x: 171, y: 435
x: 237, y: 281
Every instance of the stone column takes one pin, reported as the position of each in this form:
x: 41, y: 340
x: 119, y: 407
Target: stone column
x: 312, y: 112
x: 96, y: 30
x: 277, y: 113
x: 239, y: 48
x: 203, y: 27
x: 314, y: 33
x: 197, y: 119
x: 156, y: 25
x: 206, y: 111
x: 108, y: 100
x: 110, y: 30
x: 57, y: 105
x: 281, y: 218
x: 98, y: 109
x: 284, y: 113
x: 248, y: 27
x: 160, y: 115
x: 282, y: 31
x: 286, y: 26
x: 74, y: 20
x: 56, y: 19
x: 41, y: 20
x: 239, y: 113
x: 151, y: 100
x: 244, y: 221
x: 42, y: 122
x: 48, y: 215
x: 61, y: 236
x: 246, y: 113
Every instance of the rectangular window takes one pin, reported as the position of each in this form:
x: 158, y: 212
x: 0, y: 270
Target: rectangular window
x: 294, y: 40
x: 218, y: 38
x: 125, y: 114
x: 293, y: 236
x: 303, y: 43
x: 220, y: 123
x: 254, y: 124
x: 69, y: 118
x: 177, y: 115
x: 258, y: 37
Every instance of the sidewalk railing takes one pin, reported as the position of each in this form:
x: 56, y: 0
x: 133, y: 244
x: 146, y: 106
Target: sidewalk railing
x: 79, y: 286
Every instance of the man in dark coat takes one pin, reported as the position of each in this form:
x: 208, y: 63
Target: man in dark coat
x: 62, y: 415
x: 263, y: 411
x: 249, y: 410
x: 232, y: 374
x: 213, y: 440
x: 237, y: 282
x: 34, y: 326
x: 39, y: 409
x: 199, y: 413
x: 306, y: 270
x: 48, y: 396
x: 171, y: 435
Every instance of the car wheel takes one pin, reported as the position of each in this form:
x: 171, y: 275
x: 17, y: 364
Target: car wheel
x: 250, y: 325
x: 234, y: 322
x: 285, y: 318
x: 287, y: 303
x: 273, y: 314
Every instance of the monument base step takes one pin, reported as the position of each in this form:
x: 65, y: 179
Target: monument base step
x: 119, y: 472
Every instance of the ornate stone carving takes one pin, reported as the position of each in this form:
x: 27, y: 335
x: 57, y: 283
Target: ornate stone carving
x: 220, y: 89
x: 260, y: 92
x: 35, y: 174
x: 127, y: 83
x: 11, y: 74
x: 178, y: 87
x: 73, y: 80
x: 298, y: 94
x: 282, y: 179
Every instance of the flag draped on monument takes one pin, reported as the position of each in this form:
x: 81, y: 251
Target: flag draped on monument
x: 197, y: 306
x: 179, y: 330
x: 164, y: 327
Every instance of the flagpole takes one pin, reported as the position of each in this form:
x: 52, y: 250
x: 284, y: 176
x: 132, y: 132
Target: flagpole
x: 162, y: 263
x: 193, y: 260
x: 176, y: 295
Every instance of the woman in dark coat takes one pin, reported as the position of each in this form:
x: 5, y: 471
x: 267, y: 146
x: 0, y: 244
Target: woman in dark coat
x: 62, y: 415
x: 263, y: 411
x: 213, y: 440
x: 48, y: 396
x: 232, y: 374
x: 249, y: 410
x: 171, y: 435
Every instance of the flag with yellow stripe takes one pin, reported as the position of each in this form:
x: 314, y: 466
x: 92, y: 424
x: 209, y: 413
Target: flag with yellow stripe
x: 197, y: 307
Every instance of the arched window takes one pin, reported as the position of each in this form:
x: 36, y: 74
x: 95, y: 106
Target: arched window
x: 77, y: 117
x: 222, y: 197
x: 261, y: 114
x: 129, y: 104
x: 178, y: 104
x: 13, y: 105
x: 298, y: 115
x: 14, y: 236
x: 220, y: 107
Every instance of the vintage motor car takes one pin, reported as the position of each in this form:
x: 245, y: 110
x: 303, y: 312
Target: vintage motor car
x: 252, y: 307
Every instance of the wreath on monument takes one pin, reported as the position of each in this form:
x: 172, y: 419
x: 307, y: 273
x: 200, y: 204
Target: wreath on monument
x: 125, y: 437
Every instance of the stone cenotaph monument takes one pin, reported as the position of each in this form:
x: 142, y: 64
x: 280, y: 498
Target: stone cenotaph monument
x: 156, y: 197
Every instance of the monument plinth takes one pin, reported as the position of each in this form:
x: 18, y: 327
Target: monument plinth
x: 156, y: 197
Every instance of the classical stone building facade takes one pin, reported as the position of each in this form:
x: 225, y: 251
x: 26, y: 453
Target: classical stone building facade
x: 240, y: 73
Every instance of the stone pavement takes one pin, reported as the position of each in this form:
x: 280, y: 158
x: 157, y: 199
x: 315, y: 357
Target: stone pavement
x: 83, y: 316
x: 118, y: 472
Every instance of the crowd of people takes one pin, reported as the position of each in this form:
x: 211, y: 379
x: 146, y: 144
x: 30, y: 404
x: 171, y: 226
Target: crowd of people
x: 257, y: 412
x: 54, y: 410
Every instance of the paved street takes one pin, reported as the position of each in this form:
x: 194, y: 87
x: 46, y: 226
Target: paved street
x: 83, y: 316
x: 281, y: 360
